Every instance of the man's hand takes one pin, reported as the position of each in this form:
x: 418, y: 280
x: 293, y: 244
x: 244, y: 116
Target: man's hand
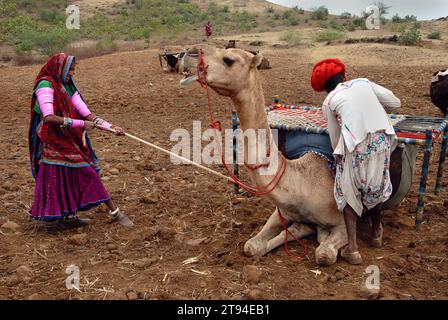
x: 118, y: 130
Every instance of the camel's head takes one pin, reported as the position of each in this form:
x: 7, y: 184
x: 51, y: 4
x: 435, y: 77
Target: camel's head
x: 228, y: 71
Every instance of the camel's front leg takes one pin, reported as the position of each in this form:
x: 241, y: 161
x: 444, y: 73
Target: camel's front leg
x: 330, y: 243
x: 295, y: 231
x: 269, y: 237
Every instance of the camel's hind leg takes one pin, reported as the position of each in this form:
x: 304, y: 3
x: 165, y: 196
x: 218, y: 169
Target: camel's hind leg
x: 271, y: 236
x: 330, y: 243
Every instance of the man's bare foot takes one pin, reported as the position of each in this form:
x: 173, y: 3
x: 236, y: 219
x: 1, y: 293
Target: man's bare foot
x: 352, y: 257
x: 377, y: 237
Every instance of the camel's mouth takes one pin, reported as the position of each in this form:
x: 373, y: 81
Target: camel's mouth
x: 190, y: 70
x: 189, y: 78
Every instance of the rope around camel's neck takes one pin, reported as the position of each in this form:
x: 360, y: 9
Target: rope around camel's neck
x: 250, y: 106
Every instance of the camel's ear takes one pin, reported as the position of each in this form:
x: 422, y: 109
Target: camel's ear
x: 256, y: 60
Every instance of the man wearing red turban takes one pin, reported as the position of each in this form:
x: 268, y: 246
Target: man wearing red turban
x: 325, y: 71
x: 363, y: 140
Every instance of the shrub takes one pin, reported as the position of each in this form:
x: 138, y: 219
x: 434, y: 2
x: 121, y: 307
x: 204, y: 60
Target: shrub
x: 328, y: 35
x: 299, y: 10
x: 350, y: 27
x: 106, y: 46
x: 409, y: 18
x: 346, y: 15
x: 7, y: 9
x: 359, y: 22
x: 293, y: 21
x: 292, y: 38
x: 335, y: 25
x: 138, y: 34
x: 270, y: 10
x: 50, y: 16
x: 435, y: 35
x: 396, y: 18
x: 410, y: 37
x: 288, y: 14
x: 48, y: 42
x: 319, y: 13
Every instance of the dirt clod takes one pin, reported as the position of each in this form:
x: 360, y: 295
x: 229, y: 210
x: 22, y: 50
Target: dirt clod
x: 252, y: 274
x: 10, y: 226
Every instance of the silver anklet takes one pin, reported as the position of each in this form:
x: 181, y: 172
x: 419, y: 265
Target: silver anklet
x: 115, y: 213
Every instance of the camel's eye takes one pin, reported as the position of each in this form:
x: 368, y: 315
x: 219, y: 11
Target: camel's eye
x: 229, y: 62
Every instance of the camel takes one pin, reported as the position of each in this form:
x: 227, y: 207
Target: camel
x: 304, y: 195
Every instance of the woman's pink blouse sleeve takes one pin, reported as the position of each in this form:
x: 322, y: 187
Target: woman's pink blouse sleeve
x: 45, y: 97
x: 80, y: 105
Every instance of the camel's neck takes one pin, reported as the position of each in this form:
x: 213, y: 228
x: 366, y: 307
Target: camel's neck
x: 250, y: 105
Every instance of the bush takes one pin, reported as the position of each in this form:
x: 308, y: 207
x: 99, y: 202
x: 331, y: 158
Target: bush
x: 292, y: 38
x: 435, y: 35
x: 319, y: 13
x: 409, y: 18
x: 396, y: 18
x: 350, y: 27
x: 51, y: 16
x: 7, y: 9
x: 359, y: 22
x: 335, y: 25
x: 293, y: 21
x: 410, y: 37
x: 106, y: 46
x: 329, y: 36
x: 346, y: 15
x: 299, y: 10
x: 48, y: 42
x: 288, y: 14
x: 270, y: 10
x: 138, y: 34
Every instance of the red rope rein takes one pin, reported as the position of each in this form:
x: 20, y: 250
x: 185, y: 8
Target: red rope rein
x: 253, y: 190
x: 302, y: 244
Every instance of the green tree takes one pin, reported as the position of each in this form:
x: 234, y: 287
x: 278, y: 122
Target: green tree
x: 320, y: 13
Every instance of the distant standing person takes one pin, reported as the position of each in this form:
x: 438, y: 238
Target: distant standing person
x: 208, y: 30
x: 62, y: 159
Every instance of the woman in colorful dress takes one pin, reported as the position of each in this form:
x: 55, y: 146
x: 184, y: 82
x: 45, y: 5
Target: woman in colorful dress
x: 363, y: 140
x: 63, y: 162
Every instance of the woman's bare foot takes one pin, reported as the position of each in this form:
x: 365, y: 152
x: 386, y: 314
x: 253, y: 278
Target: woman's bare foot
x: 121, y: 218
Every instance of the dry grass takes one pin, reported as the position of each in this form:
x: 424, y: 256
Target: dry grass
x: 28, y: 59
